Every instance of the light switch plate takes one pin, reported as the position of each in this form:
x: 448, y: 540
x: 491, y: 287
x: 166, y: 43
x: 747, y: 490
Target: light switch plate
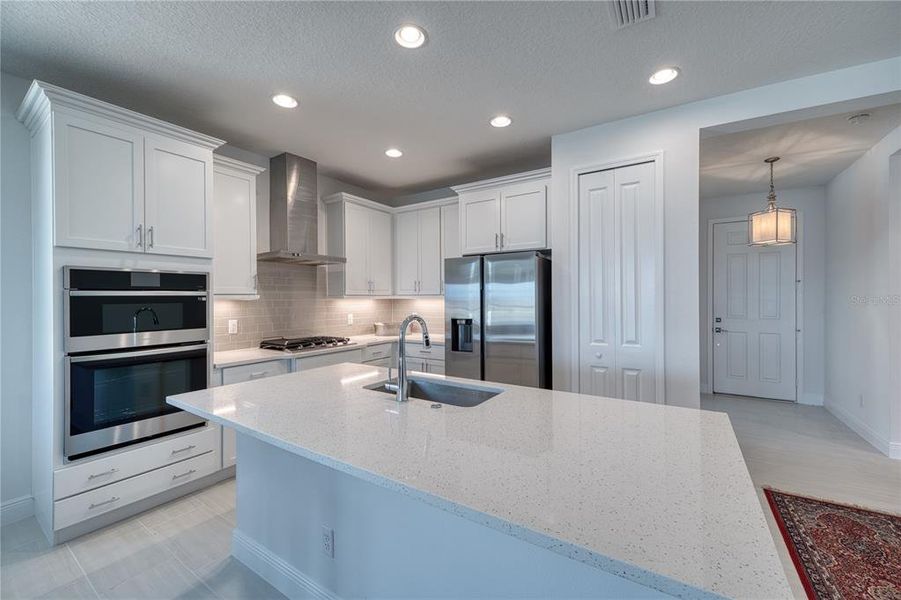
x: 350, y: 318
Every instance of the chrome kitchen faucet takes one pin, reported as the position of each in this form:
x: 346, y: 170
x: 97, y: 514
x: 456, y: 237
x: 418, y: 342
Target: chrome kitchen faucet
x: 402, y: 384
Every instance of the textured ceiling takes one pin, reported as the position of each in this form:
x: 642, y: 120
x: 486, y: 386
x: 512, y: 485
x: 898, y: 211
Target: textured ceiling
x: 554, y: 67
x: 811, y: 152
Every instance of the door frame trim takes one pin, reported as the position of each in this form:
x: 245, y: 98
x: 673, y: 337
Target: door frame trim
x: 657, y: 158
x: 707, y: 387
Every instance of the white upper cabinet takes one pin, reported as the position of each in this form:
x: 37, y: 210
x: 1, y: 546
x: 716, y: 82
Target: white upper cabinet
x: 504, y: 214
x: 381, y: 253
x: 418, y: 252
x: 178, y: 209
x: 362, y: 232
x: 121, y: 180
x: 524, y: 216
x: 450, y: 231
x: 99, y: 184
x: 234, y: 227
x: 450, y: 235
x: 480, y: 222
x: 406, y: 244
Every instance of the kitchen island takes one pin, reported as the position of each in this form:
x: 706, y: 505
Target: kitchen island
x: 343, y: 492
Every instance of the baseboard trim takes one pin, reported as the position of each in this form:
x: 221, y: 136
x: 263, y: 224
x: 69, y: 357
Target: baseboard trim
x: 282, y: 576
x: 811, y: 399
x: 894, y: 450
x: 16, y: 509
x: 865, y: 431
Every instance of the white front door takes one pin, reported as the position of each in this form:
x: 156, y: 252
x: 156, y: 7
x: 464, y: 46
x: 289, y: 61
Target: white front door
x: 753, y: 315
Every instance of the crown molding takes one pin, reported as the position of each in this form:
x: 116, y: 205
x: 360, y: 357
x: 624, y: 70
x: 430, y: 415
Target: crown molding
x: 437, y: 203
x: 504, y: 180
x: 42, y: 98
x: 345, y: 197
x: 236, y: 165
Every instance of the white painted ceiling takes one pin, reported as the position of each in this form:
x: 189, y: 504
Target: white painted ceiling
x: 811, y: 152
x: 554, y: 67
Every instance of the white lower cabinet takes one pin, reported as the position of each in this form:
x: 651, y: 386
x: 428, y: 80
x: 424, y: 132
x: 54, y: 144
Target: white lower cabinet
x: 258, y: 370
x: 85, y: 476
x: 331, y: 358
x: 82, y: 507
x: 239, y: 374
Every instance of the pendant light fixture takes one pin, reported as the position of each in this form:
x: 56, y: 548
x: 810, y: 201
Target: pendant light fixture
x: 772, y: 226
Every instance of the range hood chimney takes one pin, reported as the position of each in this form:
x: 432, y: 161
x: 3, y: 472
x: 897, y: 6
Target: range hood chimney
x: 294, y: 213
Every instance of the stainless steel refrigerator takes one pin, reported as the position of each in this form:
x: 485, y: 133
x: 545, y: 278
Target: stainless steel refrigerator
x: 497, y: 311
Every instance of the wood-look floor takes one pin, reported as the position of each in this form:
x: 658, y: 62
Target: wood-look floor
x: 805, y: 450
x: 181, y: 549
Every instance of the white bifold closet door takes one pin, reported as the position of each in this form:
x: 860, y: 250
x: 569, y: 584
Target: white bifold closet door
x: 617, y: 272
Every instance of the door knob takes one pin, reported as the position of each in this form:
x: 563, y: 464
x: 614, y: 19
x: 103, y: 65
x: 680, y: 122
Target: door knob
x: 720, y: 330
x: 599, y: 355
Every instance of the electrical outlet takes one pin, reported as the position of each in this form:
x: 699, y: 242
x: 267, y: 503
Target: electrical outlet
x: 328, y: 541
x: 232, y: 326
x: 860, y: 399
x: 350, y: 318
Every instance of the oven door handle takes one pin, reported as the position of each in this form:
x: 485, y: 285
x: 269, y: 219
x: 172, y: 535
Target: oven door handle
x: 138, y: 353
x: 142, y: 293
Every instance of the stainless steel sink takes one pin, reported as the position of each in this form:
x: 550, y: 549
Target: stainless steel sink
x: 444, y: 392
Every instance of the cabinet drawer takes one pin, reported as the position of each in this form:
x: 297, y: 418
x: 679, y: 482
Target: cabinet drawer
x: 258, y: 370
x: 332, y: 358
x: 109, y: 497
x: 377, y: 351
x: 79, y: 478
x: 435, y: 352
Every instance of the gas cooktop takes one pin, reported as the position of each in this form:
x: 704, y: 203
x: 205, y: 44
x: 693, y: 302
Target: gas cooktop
x: 300, y: 344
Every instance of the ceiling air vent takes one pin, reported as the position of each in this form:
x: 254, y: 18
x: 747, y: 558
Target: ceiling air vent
x: 630, y: 12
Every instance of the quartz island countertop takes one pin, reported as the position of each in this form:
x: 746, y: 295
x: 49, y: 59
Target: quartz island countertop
x: 656, y: 494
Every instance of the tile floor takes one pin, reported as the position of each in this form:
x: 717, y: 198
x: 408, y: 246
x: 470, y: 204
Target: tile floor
x: 178, y: 550
x: 805, y: 450
x: 181, y: 549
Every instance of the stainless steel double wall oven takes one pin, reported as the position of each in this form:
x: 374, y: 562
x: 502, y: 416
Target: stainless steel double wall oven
x: 131, y: 339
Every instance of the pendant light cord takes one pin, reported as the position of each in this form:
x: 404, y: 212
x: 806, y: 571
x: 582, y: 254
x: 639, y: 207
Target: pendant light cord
x: 772, y: 195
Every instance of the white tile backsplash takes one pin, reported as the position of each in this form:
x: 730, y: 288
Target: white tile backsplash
x: 292, y: 302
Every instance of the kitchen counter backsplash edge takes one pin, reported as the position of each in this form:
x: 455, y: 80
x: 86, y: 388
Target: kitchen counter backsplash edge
x: 251, y: 355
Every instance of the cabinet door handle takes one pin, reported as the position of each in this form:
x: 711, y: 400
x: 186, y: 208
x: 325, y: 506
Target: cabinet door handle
x: 502, y: 241
x: 150, y: 237
x: 104, y: 503
x: 185, y: 449
x: 104, y: 474
x: 497, y: 243
x: 140, y: 242
x: 185, y: 474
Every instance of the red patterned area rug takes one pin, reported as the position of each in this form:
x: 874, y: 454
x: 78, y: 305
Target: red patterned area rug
x: 840, y: 551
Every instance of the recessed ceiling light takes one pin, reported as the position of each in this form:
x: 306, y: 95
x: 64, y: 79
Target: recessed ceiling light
x: 500, y: 121
x: 664, y: 75
x: 393, y: 153
x: 859, y: 118
x: 284, y: 100
x: 410, y: 36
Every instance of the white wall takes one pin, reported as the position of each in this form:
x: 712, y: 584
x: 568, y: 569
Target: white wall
x: 863, y: 298
x: 676, y: 133
x: 811, y: 206
x: 15, y: 307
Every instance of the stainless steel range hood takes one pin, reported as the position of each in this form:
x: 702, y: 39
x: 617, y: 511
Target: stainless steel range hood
x: 294, y: 213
